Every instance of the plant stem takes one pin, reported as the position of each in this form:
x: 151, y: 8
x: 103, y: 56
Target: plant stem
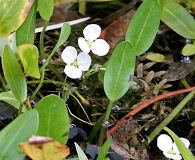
x: 46, y: 81
x: 20, y: 109
x: 39, y: 85
x: 43, y: 56
x: 169, y: 118
x: 106, y: 118
x: 41, y: 41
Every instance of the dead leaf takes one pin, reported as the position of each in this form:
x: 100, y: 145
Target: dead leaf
x: 44, y: 148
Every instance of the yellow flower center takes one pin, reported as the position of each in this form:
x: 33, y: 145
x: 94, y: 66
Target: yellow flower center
x: 171, y: 152
x: 89, y: 43
x: 75, y: 64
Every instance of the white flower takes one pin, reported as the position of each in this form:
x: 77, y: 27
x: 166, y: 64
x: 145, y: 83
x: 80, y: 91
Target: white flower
x: 90, y: 41
x: 170, y: 150
x: 75, y: 63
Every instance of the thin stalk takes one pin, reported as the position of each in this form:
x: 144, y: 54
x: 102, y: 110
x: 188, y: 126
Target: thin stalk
x: 106, y: 118
x: 83, y: 100
x: 20, y: 109
x: 185, y: 83
x: 46, y: 81
x: 39, y: 85
x: 43, y: 56
x: 169, y: 118
x: 41, y: 41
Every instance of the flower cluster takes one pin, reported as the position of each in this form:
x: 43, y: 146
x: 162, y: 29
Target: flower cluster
x: 169, y: 148
x: 77, y: 63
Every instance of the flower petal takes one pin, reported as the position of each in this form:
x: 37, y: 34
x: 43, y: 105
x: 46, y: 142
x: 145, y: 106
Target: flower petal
x: 69, y: 54
x: 100, y: 47
x: 185, y: 141
x: 72, y: 72
x: 164, y: 143
x: 84, y: 61
x: 172, y: 156
x: 92, y: 32
x: 83, y: 45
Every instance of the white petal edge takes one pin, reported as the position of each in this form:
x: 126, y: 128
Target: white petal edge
x: 173, y: 156
x: 100, y: 47
x: 84, y: 61
x: 83, y: 45
x: 164, y: 143
x: 92, y: 32
x: 72, y: 72
x: 186, y: 143
x: 69, y: 54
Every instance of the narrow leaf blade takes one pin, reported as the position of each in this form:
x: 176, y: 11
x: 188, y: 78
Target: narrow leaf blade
x: 14, y: 75
x: 185, y: 152
x: 26, y: 32
x: 178, y: 19
x: 104, y: 149
x: 144, y: 25
x: 10, y: 99
x: 64, y: 34
x: 119, y: 71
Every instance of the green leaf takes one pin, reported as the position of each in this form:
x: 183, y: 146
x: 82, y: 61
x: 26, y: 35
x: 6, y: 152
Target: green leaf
x: 144, y: 25
x: 29, y: 55
x: 64, y: 34
x: 54, y: 119
x: 14, y: 75
x: 19, y: 130
x: 12, y: 15
x: 26, y: 32
x: 156, y: 57
x: 178, y: 19
x: 10, y: 98
x: 119, y: 71
x: 81, y: 154
x: 188, y: 50
x: 104, y: 149
x: 45, y: 8
x: 185, y: 152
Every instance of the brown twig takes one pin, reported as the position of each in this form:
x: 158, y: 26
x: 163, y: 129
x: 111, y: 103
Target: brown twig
x: 146, y: 104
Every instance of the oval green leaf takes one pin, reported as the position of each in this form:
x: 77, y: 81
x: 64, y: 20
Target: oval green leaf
x: 12, y: 15
x: 185, y: 152
x: 119, y: 71
x: 14, y: 75
x: 156, y: 57
x: 29, y: 55
x: 45, y: 8
x: 20, y: 130
x: 188, y: 50
x: 178, y: 19
x: 144, y: 25
x: 54, y: 119
x: 26, y: 32
x: 64, y: 34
